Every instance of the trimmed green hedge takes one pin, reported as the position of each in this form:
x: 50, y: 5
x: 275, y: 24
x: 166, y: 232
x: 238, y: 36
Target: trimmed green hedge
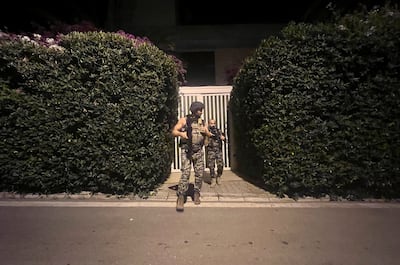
x: 319, y: 108
x: 93, y: 112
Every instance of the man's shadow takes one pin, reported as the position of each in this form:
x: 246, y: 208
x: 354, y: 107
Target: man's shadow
x: 189, y: 193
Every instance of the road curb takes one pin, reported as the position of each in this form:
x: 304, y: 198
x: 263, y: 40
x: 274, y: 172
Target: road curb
x: 228, y: 203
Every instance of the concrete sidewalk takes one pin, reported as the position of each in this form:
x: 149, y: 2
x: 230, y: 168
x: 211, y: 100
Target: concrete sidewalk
x: 232, y: 188
x: 234, y: 191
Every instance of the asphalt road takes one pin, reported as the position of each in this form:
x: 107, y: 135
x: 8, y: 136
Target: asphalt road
x: 204, y: 235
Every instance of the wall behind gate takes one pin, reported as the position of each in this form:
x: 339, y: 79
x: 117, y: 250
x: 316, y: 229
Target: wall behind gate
x: 215, y: 99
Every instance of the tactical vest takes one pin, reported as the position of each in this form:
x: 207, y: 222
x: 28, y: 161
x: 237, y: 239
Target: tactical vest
x: 192, y: 127
x: 197, y: 136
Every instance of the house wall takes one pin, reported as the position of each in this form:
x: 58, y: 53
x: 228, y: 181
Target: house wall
x: 227, y: 62
x: 157, y: 20
x: 138, y: 14
x: 209, y: 52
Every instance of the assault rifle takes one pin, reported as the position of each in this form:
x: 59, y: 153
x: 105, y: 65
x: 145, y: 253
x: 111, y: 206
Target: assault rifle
x: 216, y: 134
x: 188, y: 129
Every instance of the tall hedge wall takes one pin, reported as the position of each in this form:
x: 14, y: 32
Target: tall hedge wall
x: 319, y: 108
x: 92, y: 112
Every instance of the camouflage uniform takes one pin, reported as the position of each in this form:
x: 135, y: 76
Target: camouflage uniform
x: 197, y: 158
x: 214, y: 156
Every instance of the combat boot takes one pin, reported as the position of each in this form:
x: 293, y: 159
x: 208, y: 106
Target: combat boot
x: 212, y: 178
x: 219, y: 174
x: 218, y: 179
x: 179, y: 203
x: 212, y: 182
x: 196, y: 197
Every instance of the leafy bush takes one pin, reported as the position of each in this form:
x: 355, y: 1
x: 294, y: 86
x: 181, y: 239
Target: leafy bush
x: 93, y: 112
x: 320, y: 108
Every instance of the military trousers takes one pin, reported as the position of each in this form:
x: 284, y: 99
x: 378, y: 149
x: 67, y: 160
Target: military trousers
x: 197, y: 160
x: 214, y: 157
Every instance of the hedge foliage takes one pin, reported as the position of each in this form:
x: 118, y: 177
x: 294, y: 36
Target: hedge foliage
x: 91, y: 113
x: 319, y: 108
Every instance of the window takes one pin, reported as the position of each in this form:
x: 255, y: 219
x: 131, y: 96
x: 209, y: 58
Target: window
x: 200, y: 67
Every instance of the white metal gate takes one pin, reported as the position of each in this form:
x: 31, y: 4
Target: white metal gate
x: 215, y: 99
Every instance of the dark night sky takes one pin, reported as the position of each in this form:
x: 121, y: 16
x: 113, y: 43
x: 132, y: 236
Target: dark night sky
x: 20, y: 16
x: 23, y: 15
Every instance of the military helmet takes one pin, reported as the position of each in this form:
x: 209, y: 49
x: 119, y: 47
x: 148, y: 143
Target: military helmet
x: 195, y: 106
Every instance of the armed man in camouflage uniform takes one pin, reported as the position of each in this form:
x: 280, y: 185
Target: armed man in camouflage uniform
x: 214, y: 152
x: 192, y: 132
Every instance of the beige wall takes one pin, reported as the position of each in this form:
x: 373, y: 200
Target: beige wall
x: 227, y: 60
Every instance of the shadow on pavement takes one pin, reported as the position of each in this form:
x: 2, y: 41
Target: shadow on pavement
x: 190, y: 192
